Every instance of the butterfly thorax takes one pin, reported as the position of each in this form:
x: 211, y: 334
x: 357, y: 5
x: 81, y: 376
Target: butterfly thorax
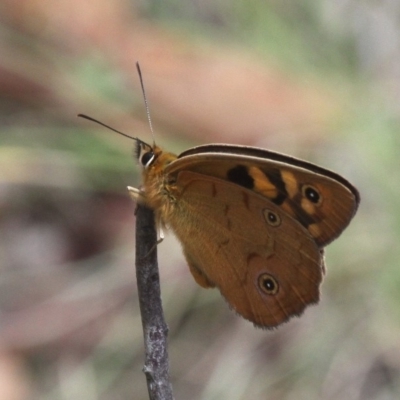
x: 158, y: 186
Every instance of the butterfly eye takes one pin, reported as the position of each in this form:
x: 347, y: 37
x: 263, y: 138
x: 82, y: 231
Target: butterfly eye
x: 272, y: 218
x: 311, y: 194
x: 147, y: 158
x: 268, y: 284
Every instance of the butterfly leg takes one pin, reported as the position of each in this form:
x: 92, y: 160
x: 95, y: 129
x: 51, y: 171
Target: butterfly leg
x: 160, y: 233
x: 136, y: 195
x: 139, y: 197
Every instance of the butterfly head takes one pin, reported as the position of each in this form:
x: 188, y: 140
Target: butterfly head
x: 152, y: 156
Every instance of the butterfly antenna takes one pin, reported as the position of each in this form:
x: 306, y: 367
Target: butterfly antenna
x: 146, y: 104
x: 106, y: 126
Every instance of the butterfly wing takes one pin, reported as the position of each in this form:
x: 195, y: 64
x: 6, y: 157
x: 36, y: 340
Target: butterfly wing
x: 265, y: 263
x: 322, y: 201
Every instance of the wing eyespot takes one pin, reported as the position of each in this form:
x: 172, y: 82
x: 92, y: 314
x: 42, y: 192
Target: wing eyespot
x: 271, y: 217
x: 312, y: 194
x: 268, y: 284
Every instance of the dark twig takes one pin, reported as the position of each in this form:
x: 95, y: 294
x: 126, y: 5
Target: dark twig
x: 155, y: 330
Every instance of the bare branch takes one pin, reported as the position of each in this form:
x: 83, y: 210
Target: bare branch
x: 155, y: 330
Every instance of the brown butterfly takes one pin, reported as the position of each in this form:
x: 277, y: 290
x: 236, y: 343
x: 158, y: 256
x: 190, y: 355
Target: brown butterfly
x: 252, y: 223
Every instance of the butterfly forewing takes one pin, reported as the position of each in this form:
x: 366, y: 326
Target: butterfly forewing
x: 323, y: 203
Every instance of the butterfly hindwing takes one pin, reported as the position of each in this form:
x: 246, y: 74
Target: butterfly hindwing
x: 264, y: 262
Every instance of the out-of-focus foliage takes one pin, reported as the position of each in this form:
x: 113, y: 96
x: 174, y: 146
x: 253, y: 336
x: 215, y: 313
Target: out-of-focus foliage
x: 318, y: 80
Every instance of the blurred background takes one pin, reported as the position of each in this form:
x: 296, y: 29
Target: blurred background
x: 317, y: 80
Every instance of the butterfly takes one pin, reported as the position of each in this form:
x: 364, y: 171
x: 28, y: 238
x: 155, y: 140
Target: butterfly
x: 252, y: 223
